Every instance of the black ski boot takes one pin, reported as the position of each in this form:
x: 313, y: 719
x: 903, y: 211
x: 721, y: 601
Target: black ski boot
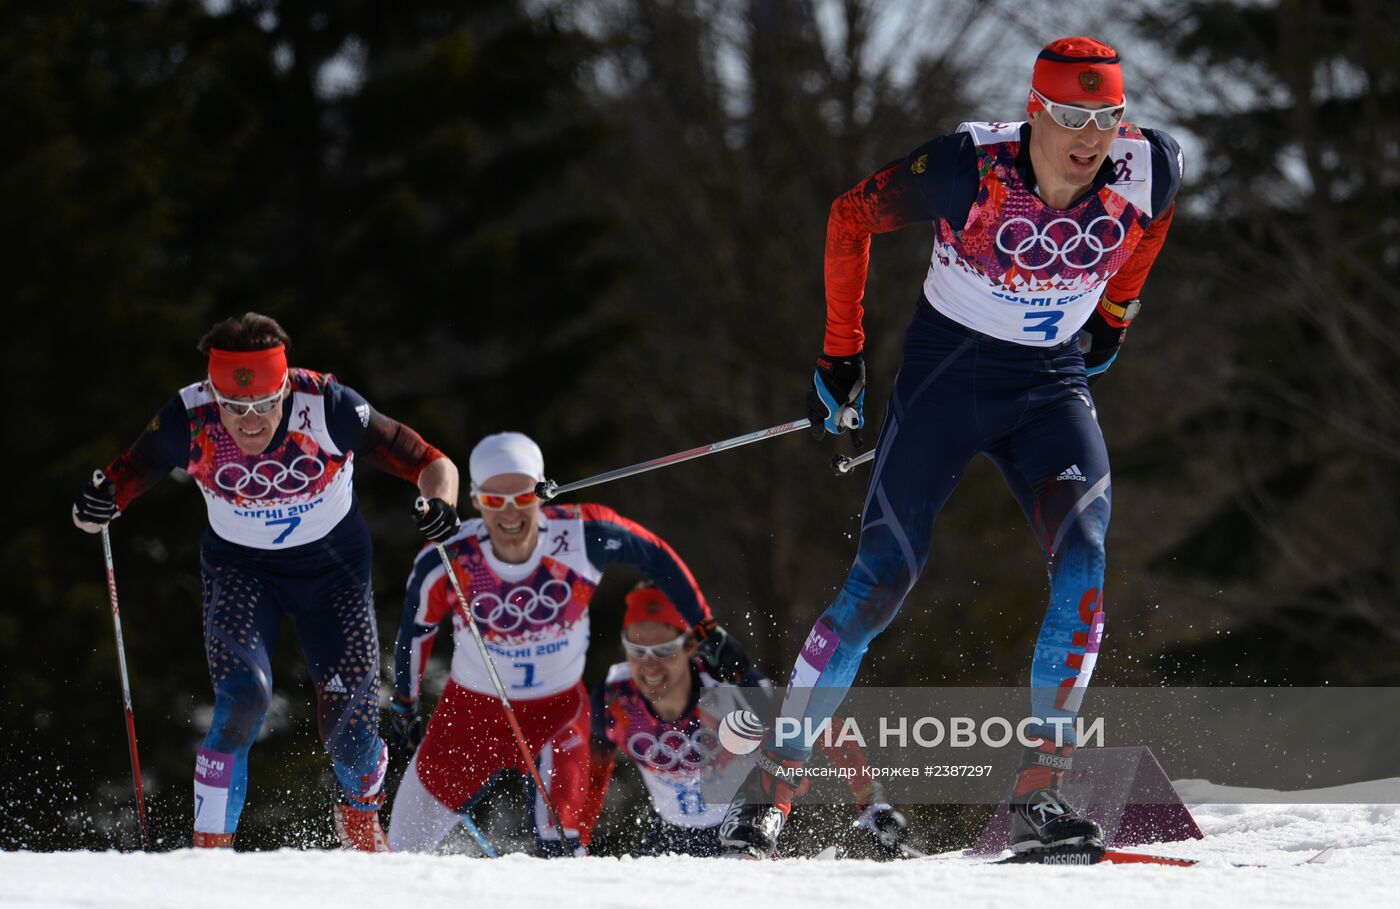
x: 1041, y: 819
x: 1044, y: 820
x: 756, y: 814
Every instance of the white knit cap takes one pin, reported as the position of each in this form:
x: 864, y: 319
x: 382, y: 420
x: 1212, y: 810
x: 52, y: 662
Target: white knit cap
x: 506, y: 452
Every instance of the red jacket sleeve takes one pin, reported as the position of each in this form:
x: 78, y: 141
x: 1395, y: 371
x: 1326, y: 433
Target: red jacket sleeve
x: 396, y: 449
x: 1127, y: 283
x: 162, y: 447
x: 872, y: 207
x: 937, y: 180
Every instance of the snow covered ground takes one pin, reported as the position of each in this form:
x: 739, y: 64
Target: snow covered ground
x: 1363, y: 871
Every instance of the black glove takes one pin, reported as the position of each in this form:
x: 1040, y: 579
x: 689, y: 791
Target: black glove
x: 437, y: 521
x: 405, y: 726
x: 1100, y: 339
x: 836, y: 400
x: 885, y: 826
x: 726, y: 660
x: 95, y: 502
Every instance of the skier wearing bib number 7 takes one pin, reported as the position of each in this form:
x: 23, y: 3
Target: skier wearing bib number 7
x: 1044, y: 233
x: 273, y: 449
x: 528, y: 572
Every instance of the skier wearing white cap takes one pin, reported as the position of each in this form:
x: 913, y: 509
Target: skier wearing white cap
x: 528, y: 572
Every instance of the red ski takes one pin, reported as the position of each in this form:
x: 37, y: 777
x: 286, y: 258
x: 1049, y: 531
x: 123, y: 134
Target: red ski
x: 1078, y: 855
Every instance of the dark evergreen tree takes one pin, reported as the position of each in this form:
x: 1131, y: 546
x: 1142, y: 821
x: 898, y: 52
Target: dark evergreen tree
x: 391, y: 182
x: 1292, y: 261
x: 744, y: 120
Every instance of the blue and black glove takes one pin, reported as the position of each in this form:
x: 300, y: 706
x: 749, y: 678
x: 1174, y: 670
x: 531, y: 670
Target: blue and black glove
x: 836, y: 400
x: 405, y: 726
x: 1103, y: 334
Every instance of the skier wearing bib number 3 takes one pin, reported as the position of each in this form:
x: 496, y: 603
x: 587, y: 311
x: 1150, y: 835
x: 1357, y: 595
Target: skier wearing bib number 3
x: 529, y: 573
x: 274, y: 450
x: 1044, y: 234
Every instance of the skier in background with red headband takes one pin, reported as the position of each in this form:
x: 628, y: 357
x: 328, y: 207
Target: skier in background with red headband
x: 1044, y: 234
x: 273, y: 449
x: 648, y: 709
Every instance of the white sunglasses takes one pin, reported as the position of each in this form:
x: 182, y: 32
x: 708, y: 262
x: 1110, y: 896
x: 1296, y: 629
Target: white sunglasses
x: 663, y: 651
x: 1071, y: 117
x: 259, y: 406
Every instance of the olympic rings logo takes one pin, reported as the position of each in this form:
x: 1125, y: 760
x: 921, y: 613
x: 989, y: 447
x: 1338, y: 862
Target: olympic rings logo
x: 674, y: 748
x: 522, y: 606
x: 267, y: 477
x: 1103, y: 235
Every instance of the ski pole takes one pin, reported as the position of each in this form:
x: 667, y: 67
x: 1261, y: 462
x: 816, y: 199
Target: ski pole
x: 844, y: 464
x: 422, y: 505
x: 97, y: 479
x: 548, y: 489
x: 482, y: 842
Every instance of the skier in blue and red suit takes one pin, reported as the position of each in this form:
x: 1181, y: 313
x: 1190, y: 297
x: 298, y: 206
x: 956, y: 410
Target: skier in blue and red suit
x: 1044, y: 232
x: 273, y: 449
x: 649, y: 710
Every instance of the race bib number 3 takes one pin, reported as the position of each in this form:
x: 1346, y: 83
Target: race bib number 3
x: 1044, y: 323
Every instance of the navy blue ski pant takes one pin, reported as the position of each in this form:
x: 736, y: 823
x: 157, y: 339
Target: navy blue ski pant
x: 324, y: 587
x: 959, y: 394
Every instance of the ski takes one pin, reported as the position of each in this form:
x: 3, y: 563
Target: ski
x: 1065, y: 856
x: 1319, y: 858
x: 1097, y: 855
x: 1091, y: 855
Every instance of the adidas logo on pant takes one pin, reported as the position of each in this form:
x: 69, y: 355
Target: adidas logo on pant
x: 1071, y: 473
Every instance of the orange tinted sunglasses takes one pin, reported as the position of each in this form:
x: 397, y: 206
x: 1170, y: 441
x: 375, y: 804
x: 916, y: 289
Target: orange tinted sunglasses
x: 496, y: 501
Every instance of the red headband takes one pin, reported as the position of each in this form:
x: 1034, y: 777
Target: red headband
x: 1078, y: 69
x: 649, y: 604
x: 248, y: 372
